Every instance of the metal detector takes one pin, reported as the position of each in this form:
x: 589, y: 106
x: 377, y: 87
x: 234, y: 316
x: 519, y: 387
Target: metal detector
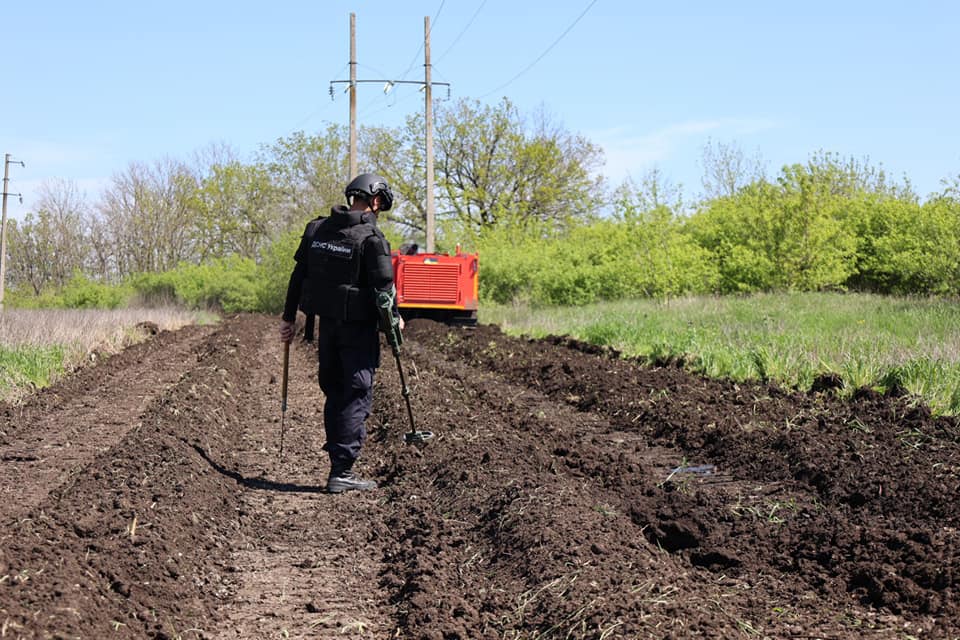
x: 413, y: 436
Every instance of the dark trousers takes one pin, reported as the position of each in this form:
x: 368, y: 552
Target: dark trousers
x: 308, y: 326
x: 348, y: 355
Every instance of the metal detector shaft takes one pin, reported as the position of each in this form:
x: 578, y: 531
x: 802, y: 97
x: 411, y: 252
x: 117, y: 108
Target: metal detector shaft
x: 283, y: 392
x: 414, y: 435
x: 404, y: 391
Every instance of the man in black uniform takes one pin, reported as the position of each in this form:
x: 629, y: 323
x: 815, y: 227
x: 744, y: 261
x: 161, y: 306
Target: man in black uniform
x: 344, y: 276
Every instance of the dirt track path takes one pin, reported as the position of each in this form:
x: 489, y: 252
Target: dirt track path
x: 558, y: 500
x: 303, y: 564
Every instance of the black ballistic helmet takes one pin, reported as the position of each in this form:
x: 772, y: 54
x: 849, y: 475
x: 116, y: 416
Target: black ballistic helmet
x: 367, y: 185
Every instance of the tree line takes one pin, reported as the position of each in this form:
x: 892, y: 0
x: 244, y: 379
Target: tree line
x: 525, y: 192
x: 828, y: 224
x: 491, y: 162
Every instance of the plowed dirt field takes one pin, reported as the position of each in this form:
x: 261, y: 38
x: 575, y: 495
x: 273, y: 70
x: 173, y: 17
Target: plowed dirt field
x: 568, y: 494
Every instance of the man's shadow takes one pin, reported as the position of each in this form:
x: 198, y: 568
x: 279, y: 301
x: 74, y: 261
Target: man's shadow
x: 256, y: 483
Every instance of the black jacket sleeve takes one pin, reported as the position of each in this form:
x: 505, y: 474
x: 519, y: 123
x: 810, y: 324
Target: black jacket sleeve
x: 377, y: 262
x: 294, y: 289
x: 295, y: 286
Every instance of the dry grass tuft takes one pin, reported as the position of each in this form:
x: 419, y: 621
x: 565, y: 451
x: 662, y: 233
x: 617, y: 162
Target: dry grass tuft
x: 88, y: 327
x: 82, y: 336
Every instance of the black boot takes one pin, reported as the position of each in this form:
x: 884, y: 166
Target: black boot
x: 342, y: 478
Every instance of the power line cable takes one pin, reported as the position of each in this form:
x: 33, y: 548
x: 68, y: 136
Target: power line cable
x: 399, y: 100
x: 393, y: 100
x: 318, y: 111
x: 420, y: 48
x: 463, y: 31
x: 542, y: 55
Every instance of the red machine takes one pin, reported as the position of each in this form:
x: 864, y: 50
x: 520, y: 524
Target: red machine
x: 437, y: 285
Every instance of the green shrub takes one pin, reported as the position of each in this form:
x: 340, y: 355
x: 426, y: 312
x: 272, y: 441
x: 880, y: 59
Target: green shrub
x: 599, y: 260
x: 273, y: 272
x: 229, y: 284
x: 82, y: 293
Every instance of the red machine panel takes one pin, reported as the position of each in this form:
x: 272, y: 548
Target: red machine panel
x: 445, y: 284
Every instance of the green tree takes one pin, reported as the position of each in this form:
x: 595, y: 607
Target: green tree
x: 309, y: 172
x: 661, y: 258
x: 814, y: 249
x: 146, y: 219
x: 398, y: 154
x: 234, y: 207
x: 495, y: 167
x: 740, y: 234
x: 50, y: 243
x: 27, y: 249
x: 905, y: 247
x: 801, y: 232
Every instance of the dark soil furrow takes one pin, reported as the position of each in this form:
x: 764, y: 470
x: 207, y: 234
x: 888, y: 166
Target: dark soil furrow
x: 565, y: 514
x: 567, y: 494
x: 51, y: 437
x: 130, y: 548
x: 779, y: 532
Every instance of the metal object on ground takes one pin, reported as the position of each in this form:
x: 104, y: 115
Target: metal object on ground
x: 413, y: 436
x: 697, y: 469
x: 283, y: 392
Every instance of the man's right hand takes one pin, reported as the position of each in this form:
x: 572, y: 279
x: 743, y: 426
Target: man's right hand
x: 389, y: 322
x: 286, y: 331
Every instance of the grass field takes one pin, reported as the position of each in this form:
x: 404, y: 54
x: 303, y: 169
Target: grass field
x: 788, y: 339
x: 39, y: 346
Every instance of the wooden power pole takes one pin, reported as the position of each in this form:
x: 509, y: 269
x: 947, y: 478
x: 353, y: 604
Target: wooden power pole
x: 428, y: 120
x: 427, y: 85
x: 353, y: 96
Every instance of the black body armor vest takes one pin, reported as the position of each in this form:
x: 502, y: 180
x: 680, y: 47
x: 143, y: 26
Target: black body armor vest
x: 337, y: 282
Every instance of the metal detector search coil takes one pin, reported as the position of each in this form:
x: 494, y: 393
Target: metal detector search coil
x: 414, y: 437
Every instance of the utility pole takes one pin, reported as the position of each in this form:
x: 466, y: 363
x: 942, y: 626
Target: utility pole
x: 428, y: 135
x: 427, y: 86
x: 3, y: 222
x: 353, y: 96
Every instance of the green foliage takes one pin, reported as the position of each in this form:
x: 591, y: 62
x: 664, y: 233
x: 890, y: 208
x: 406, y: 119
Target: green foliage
x: 228, y: 284
x: 82, y: 293
x: 789, y: 236
x: 22, y: 298
x: 234, y: 206
x: 79, y: 292
x: 495, y: 168
x: 273, y: 272
x: 830, y: 224
x: 45, y: 249
x: 643, y: 252
x: 308, y: 173
x: 907, y: 248
x: 787, y: 339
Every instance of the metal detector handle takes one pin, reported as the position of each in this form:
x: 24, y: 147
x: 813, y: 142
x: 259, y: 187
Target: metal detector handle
x: 388, y: 320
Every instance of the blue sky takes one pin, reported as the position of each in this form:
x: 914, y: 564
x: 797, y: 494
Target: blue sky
x: 90, y: 87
